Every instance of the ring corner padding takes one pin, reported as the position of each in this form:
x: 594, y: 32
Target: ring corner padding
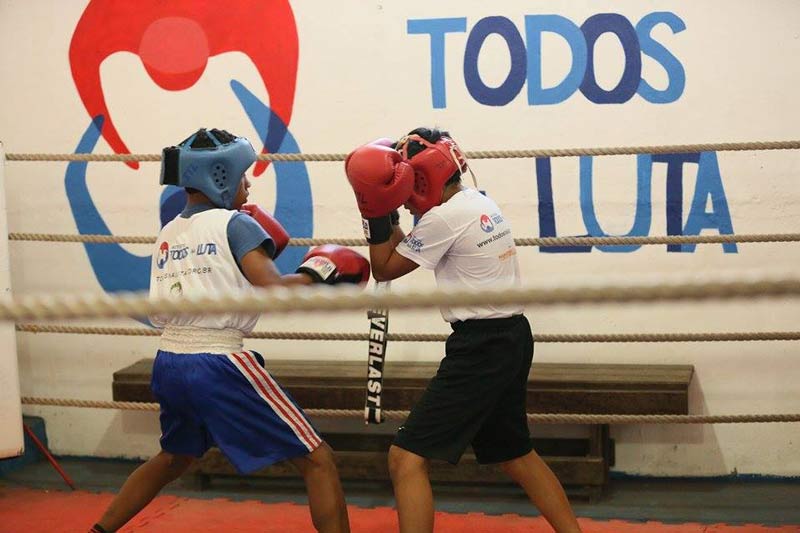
x: 11, y: 438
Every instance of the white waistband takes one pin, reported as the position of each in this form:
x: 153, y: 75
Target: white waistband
x: 184, y: 339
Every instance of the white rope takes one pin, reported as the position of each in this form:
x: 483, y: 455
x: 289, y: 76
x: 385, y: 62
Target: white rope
x: 542, y: 418
x: 477, y: 154
x: 525, y: 241
x: 283, y: 299
x: 438, y: 337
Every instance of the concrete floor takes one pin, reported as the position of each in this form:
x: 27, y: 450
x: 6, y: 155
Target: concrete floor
x: 729, y: 501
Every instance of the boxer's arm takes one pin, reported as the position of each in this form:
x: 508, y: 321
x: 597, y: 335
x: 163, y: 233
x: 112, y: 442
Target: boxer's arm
x: 397, y: 231
x: 259, y: 270
x: 245, y: 233
x: 278, y: 237
x: 252, y: 248
x: 391, y: 265
x: 425, y: 246
x: 386, y: 263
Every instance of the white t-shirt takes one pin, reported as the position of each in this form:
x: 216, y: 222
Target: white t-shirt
x: 193, y: 258
x: 468, y: 244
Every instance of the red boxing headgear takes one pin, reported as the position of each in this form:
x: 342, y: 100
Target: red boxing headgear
x: 433, y: 166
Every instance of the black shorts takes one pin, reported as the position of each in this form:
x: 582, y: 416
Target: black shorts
x: 478, y: 395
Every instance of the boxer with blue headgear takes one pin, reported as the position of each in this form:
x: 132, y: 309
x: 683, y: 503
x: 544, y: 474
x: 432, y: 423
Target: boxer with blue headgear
x: 212, y: 162
x: 210, y: 389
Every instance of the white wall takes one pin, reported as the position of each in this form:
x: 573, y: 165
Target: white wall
x: 361, y: 75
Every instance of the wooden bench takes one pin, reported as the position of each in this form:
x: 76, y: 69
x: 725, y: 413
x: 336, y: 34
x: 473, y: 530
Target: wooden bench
x: 552, y: 388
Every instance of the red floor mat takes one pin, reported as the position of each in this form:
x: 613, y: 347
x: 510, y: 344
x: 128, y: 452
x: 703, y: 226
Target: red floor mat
x: 26, y: 511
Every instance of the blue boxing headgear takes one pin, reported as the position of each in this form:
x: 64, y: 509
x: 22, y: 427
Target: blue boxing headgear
x: 211, y: 161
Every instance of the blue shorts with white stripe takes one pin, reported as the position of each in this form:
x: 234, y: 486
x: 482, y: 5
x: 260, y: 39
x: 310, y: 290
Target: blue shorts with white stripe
x: 232, y: 402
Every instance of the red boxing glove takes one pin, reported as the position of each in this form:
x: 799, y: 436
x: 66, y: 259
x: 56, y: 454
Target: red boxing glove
x: 381, y: 179
x: 331, y: 263
x: 271, y: 225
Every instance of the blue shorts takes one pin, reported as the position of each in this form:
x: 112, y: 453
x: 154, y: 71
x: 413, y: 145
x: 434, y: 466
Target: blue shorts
x: 232, y: 402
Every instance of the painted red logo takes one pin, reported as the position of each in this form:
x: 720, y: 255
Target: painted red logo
x: 174, y: 39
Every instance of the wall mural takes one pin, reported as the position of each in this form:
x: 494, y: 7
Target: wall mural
x: 174, y: 41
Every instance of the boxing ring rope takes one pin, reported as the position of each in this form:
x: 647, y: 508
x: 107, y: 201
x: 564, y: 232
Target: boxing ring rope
x: 314, y: 298
x: 437, y: 337
x: 533, y: 241
x: 287, y: 300
x: 541, y: 418
x: 478, y: 154
x: 344, y: 298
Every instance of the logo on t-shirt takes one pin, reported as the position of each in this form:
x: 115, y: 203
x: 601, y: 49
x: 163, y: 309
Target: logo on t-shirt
x: 163, y: 254
x: 412, y: 242
x: 206, y: 248
x: 486, y: 224
x: 179, y: 252
x: 176, y: 289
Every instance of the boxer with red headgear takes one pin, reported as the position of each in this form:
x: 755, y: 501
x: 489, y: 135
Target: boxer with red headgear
x: 478, y: 396
x: 436, y: 165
